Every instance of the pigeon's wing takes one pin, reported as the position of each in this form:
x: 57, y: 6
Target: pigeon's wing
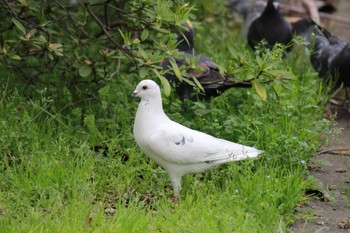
x: 320, y: 56
x: 185, y: 146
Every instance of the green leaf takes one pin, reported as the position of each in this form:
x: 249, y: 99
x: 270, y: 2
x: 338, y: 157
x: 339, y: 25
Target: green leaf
x: 165, y: 83
x: 143, y: 72
x: 58, y: 53
x: 41, y: 40
x: 162, y: 30
x: 19, y: 25
x: 198, y: 84
x: 231, y: 50
x: 176, y: 69
x: 136, y: 41
x: 24, y: 2
x: 85, y: 71
x: 50, y: 56
x: 260, y: 90
x: 282, y: 74
x: 259, y: 61
x: 144, y: 34
x: 143, y: 53
x: 15, y: 57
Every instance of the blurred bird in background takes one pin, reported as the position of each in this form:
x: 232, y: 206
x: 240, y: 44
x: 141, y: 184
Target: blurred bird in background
x: 331, y: 58
x: 206, y: 72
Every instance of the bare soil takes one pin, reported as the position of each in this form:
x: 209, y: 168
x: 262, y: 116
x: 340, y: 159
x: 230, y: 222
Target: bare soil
x: 329, y: 209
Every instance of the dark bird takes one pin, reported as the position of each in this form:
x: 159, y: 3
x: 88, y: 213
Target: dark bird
x: 306, y: 28
x: 269, y: 26
x: 331, y: 58
x: 206, y: 72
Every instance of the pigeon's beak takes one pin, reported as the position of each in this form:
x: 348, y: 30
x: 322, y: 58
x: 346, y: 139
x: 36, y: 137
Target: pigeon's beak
x: 276, y: 4
x: 134, y: 94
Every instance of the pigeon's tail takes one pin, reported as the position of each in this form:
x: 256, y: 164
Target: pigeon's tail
x: 249, y: 154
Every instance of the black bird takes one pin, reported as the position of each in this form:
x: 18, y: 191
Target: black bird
x: 306, y: 28
x: 331, y: 58
x: 340, y: 66
x: 269, y: 26
x: 207, y: 72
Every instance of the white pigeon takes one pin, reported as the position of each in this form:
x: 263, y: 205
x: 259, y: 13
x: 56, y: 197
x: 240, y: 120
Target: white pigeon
x: 178, y: 149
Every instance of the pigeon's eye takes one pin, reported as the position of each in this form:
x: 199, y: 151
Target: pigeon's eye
x: 144, y: 87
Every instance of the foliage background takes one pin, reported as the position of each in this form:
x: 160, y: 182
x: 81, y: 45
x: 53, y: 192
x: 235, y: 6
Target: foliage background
x: 67, y: 71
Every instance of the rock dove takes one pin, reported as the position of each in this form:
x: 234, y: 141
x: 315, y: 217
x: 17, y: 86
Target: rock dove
x: 306, y: 28
x: 178, y: 149
x: 331, y: 57
x: 207, y: 74
x: 269, y: 26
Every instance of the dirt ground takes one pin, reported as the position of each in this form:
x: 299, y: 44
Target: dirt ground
x: 342, y: 29
x: 329, y: 209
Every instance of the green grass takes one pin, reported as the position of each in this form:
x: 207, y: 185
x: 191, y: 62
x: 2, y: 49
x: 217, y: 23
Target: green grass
x: 52, y: 181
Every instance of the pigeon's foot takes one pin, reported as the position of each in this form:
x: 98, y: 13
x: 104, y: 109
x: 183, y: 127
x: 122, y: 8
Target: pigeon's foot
x: 175, y: 199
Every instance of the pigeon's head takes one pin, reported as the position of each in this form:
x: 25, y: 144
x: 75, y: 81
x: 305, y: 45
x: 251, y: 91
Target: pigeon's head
x: 146, y: 88
x: 185, y: 39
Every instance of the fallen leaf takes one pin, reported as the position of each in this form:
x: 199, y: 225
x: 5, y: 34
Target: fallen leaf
x: 340, y: 170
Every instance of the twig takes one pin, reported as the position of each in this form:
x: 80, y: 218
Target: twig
x: 72, y: 18
x: 331, y: 150
x: 102, y: 26
x: 8, y: 5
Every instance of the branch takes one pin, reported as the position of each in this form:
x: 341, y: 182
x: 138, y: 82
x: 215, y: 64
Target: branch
x: 72, y: 18
x: 102, y: 26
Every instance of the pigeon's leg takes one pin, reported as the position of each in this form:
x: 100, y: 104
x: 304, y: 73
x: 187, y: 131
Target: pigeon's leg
x: 176, y: 182
x: 175, y: 199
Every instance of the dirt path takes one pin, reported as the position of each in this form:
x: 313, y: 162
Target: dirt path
x: 329, y: 210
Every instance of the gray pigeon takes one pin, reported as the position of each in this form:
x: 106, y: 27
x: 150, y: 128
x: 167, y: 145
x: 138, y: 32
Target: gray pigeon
x: 331, y: 58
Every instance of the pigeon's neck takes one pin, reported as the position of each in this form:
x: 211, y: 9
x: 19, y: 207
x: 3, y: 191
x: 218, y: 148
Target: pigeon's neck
x: 149, y: 117
x: 185, y: 41
x: 151, y: 108
x: 271, y: 8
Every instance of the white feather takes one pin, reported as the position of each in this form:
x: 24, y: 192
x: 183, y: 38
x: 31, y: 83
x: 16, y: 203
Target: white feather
x: 178, y: 149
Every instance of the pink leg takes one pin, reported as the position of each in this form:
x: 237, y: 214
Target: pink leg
x: 175, y: 199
